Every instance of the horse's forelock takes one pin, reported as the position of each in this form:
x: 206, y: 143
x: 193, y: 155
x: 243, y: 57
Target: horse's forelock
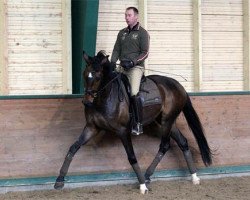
x: 99, y: 60
x: 101, y: 54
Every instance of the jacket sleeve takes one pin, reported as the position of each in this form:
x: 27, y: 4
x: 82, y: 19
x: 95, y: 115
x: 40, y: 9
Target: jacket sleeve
x: 144, y: 47
x: 117, y: 49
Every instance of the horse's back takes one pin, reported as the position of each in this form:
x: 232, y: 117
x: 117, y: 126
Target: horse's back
x: 155, y: 98
x: 170, y: 85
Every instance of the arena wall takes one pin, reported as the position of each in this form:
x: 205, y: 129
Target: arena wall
x: 36, y: 134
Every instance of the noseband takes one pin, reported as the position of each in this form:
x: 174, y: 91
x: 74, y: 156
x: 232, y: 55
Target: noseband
x: 92, y: 93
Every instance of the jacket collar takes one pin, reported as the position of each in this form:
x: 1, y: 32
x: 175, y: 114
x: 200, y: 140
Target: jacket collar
x: 135, y: 27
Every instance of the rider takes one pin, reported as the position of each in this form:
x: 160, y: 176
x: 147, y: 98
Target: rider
x: 132, y: 48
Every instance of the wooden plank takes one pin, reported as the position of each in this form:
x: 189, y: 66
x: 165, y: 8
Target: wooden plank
x: 223, y: 85
x: 228, y: 7
x: 170, y: 7
x: 222, y: 45
x: 43, y: 20
x: 220, y: 23
x: 164, y: 22
x: 37, y: 133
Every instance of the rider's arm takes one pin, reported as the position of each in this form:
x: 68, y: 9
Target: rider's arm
x: 144, y: 47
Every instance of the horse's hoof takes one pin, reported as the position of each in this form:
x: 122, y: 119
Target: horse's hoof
x: 143, y: 189
x: 59, y: 185
x: 195, y: 179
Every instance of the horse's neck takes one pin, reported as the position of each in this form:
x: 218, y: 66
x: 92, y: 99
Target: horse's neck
x: 105, y: 90
x: 113, y: 91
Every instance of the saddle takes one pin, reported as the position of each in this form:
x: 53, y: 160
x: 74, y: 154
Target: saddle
x: 149, y: 92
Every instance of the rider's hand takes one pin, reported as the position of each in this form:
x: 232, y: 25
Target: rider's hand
x: 127, y: 64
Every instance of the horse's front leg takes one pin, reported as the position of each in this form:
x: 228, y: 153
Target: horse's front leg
x: 127, y: 143
x: 164, y: 147
x: 86, y: 135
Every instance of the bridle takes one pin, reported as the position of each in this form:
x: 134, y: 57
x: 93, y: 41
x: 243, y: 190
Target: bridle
x: 90, y: 92
x: 96, y: 93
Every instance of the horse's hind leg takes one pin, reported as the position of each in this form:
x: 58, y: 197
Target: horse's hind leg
x: 183, y: 144
x: 86, y: 135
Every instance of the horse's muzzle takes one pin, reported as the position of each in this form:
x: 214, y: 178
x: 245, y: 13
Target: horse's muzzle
x: 88, y: 100
x: 87, y: 104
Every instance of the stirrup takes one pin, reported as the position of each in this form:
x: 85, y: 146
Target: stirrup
x: 137, y: 129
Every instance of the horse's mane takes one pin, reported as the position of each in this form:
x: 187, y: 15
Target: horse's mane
x: 107, y: 65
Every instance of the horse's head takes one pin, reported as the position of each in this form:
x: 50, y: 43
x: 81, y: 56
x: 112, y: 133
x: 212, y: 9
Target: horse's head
x: 93, y: 75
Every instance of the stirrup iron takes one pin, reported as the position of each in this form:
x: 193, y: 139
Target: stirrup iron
x: 137, y: 129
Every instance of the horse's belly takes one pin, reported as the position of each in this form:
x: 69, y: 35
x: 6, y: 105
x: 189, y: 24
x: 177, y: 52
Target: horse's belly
x: 150, y: 113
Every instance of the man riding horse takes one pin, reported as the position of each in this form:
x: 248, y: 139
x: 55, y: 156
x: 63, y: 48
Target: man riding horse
x: 131, y: 48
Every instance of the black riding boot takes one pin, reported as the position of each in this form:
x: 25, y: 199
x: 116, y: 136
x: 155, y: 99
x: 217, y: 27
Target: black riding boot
x: 137, y: 110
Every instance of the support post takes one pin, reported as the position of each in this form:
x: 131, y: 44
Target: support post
x: 84, y: 30
x: 246, y: 46
x: 143, y: 18
x: 197, y: 43
x: 66, y: 44
x: 3, y: 50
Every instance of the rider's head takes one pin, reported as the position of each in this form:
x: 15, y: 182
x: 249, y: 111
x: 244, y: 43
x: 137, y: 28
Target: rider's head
x: 131, y: 16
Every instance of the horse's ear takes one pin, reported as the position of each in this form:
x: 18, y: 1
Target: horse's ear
x: 104, y: 60
x: 86, y: 57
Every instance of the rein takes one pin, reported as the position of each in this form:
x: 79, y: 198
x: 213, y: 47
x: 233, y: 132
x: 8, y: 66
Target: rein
x: 167, y: 73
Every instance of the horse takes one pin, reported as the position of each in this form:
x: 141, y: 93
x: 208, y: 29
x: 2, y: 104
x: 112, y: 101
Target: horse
x: 107, y: 107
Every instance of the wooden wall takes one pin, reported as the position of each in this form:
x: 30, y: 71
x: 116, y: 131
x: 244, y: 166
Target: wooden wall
x: 36, y: 48
x: 222, y: 36
x: 37, y: 133
x: 204, y: 41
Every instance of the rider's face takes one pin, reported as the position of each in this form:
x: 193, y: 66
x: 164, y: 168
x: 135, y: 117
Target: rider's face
x: 131, y: 17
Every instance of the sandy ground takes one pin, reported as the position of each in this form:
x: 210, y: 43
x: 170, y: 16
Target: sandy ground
x: 237, y: 188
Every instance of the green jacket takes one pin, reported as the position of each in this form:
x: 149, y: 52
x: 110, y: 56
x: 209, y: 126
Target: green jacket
x: 131, y: 44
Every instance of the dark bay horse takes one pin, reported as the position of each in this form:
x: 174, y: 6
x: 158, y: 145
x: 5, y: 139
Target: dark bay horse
x: 107, y: 108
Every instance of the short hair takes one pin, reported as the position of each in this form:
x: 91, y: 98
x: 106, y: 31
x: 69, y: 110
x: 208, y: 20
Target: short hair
x: 134, y: 9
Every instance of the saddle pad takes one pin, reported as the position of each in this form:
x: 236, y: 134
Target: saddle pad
x: 149, y: 93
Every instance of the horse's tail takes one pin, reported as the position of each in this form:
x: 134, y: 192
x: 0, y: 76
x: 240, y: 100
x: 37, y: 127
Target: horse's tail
x: 197, y: 129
